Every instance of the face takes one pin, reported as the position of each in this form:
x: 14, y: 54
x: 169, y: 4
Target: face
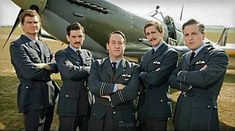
x: 76, y: 38
x: 153, y: 35
x: 116, y: 46
x: 193, y: 37
x: 31, y: 25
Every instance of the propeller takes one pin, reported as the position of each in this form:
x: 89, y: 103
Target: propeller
x: 14, y: 26
x: 181, y: 13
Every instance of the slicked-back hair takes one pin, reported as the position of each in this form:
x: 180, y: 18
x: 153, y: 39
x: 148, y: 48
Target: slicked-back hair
x: 195, y: 22
x: 156, y: 23
x: 74, y: 26
x: 30, y: 13
x: 117, y: 32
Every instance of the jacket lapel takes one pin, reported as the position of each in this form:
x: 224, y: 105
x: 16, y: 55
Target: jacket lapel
x: 41, y: 54
x: 31, y: 46
x: 201, y: 54
x: 107, y: 68
x: 83, y: 55
x: 159, y: 52
x: 121, y: 68
x: 72, y: 54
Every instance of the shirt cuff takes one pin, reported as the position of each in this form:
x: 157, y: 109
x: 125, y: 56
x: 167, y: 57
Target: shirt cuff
x: 115, y: 88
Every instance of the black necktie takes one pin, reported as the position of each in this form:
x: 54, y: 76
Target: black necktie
x: 114, y: 67
x: 153, y: 51
x: 79, y: 54
x: 192, y: 56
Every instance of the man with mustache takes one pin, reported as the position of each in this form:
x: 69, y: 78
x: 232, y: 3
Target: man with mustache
x: 74, y: 66
x: 156, y: 66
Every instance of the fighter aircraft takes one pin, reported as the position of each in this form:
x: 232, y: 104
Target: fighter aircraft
x: 100, y: 17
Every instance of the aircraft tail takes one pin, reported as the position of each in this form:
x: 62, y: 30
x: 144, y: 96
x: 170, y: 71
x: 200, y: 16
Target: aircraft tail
x: 223, y: 38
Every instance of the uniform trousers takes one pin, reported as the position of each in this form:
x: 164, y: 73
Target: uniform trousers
x: 70, y: 123
x: 39, y: 119
x: 148, y: 124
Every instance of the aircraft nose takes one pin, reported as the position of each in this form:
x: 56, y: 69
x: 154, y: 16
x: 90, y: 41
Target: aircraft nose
x: 38, y: 5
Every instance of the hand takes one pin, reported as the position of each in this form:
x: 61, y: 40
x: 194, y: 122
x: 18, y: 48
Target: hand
x: 120, y: 86
x: 68, y: 63
x: 87, y: 68
x: 203, y: 68
x: 142, y: 75
x: 106, y: 97
x: 185, y: 87
x: 42, y: 66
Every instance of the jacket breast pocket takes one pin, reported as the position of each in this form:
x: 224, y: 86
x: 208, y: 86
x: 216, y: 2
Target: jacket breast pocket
x: 34, y: 57
x: 199, y: 66
x: 87, y: 61
x: 155, y: 65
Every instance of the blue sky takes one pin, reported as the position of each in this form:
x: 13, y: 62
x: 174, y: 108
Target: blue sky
x: 209, y: 12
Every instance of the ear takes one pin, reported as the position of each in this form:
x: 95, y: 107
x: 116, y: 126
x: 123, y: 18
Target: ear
x: 67, y: 38
x: 203, y: 35
x: 83, y: 36
x: 107, y: 46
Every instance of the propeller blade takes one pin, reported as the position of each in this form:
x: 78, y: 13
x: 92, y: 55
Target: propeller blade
x: 182, y: 10
x: 14, y: 26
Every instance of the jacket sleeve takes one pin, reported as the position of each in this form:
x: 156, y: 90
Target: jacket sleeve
x: 24, y: 65
x: 68, y: 70
x: 96, y: 86
x: 174, y: 83
x: 160, y: 75
x: 216, y: 68
x: 130, y: 92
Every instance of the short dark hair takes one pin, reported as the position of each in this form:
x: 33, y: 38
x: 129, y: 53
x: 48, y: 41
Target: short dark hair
x: 117, y: 32
x: 155, y: 23
x: 192, y: 22
x: 75, y: 26
x: 30, y: 13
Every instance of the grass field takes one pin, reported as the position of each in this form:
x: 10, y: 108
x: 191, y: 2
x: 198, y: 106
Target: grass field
x: 10, y: 119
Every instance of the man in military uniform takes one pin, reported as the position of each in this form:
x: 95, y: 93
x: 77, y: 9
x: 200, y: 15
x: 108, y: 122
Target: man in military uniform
x: 156, y: 67
x: 33, y: 62
x: 199, y: 76
x: 74, y: 66
x: 114, y: 82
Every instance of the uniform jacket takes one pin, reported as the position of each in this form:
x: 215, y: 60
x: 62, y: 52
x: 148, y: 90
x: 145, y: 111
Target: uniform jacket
x: 74, y: 71
x: 36, y: 89
x: 197, y: 109
x: 101, y: 82
x: 156, y: 68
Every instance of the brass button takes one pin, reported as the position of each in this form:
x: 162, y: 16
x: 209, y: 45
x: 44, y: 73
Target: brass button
x: 114, y: 112
x: 66, y: 95
x: 161, y: 100
x: 209, y: 106
x: 26, y: 87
